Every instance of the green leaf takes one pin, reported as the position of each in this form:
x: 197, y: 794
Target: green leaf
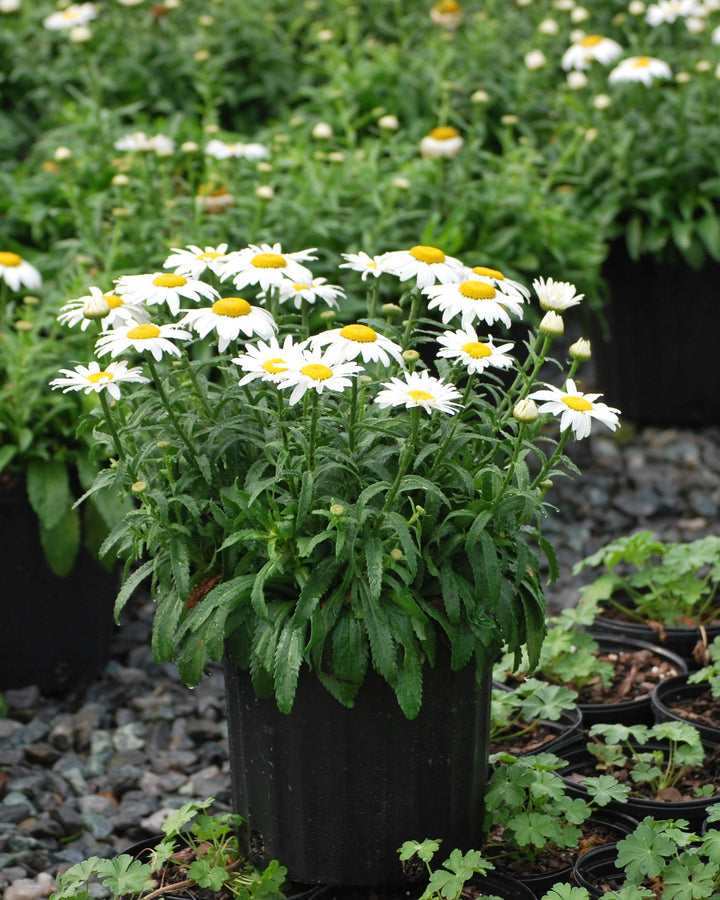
x: 127, y: 875
x: 374, y: 564
x: 288, y: 659
x: 48, y: 487
x: 61, y: 543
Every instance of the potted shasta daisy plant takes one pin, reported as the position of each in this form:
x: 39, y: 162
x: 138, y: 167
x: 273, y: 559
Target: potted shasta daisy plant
x: 339, y: 491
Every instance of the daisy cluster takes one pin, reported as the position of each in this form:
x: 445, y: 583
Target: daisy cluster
x: 192, y: 291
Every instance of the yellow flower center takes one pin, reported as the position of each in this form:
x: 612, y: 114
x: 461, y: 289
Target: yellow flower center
x: 94, y: 377
x: 420, y: 395
x: 275, y: 366
x: 363, y: 334
x: 444, y: 133
x: 427, y: 254
x: 112, y: 300
x: 641, y: 62
x: 592, y: 40
x: 317, y: 371
x: 300, y: 287
x: 477, y: 349
x: 489, y: 273
x: 9, y: 259
x: 232, y: 307
x: 447, y: 6
x: 169, y: 281
x: 578, y: 403
x: 268, y: 261
x: 143, y: 332
x: 477, y: 290
x: 209, y: 254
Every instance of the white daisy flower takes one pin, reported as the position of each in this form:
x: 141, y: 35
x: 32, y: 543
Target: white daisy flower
x: 136, y: 141
x: 505, y: 285
x: 473, y: 300
x: 142, y: 337
x: 464, y: 346
x: 162, y: 287
x: 640, y: 68
x: 591, y: 48
x: 192, y: 261
x: 265, y: 265
x: 317, y: 371
x: 84, y: 310
x: 420, y: 389
x: 715, y: 37
x: 17, y: 272
x: 311, y: 291
x: 237, y: 150
x: 269, y: 361
x: 362, y: 262
x: 162, y: 145
x: 669, y: 10
x: 575, y: 409
x: 556, y: 295
x: 356, y: 340
x: 443, y: 142
x: 71, y: 16
x: 93, y: 379
x: 427, y: 265
x: 228, y: 317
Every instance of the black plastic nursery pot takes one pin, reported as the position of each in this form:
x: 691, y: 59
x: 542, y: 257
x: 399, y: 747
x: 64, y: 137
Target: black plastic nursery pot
x: 54, y: 632
x: 633, y: 711
x: 694, y: 811
x: 679, y: 639
x: 596, y: 871
x: 679, y: 691
x: 643, y: 366
x: 333, y: 792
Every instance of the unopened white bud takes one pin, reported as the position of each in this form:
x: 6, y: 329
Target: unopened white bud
x: 552, y: 323
x: 525, y: 410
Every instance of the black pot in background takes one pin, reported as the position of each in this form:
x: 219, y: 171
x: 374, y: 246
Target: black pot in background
x: 334, y: 792
x: 626, y: 712
x: 694, y: 811
x: 657, y: 314
x: 54, y: 632
x: 679, y: 639
x: 676, y: 690
x: 593, y: 869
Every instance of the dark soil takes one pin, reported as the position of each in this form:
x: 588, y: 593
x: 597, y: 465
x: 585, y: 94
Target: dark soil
x: 636, y: 674
x: 701, y: 710
x: 525, y: 737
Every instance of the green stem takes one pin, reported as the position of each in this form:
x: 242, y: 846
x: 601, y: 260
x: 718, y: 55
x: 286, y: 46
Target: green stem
x: 558, y: 452
x: 403, y: 466
x: 171, y: 413
x: 412, y: 315
x: 313, y: 429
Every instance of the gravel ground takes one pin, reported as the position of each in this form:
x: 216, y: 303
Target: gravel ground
x: 94, y: 771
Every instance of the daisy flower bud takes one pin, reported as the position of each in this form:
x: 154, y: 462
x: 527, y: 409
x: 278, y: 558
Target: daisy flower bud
x: 525, y: 410
x: 552, y: 324
x: 337, y: 509
x: 580, y: 350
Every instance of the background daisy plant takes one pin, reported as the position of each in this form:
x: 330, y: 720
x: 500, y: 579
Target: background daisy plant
x: 338, y: 479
